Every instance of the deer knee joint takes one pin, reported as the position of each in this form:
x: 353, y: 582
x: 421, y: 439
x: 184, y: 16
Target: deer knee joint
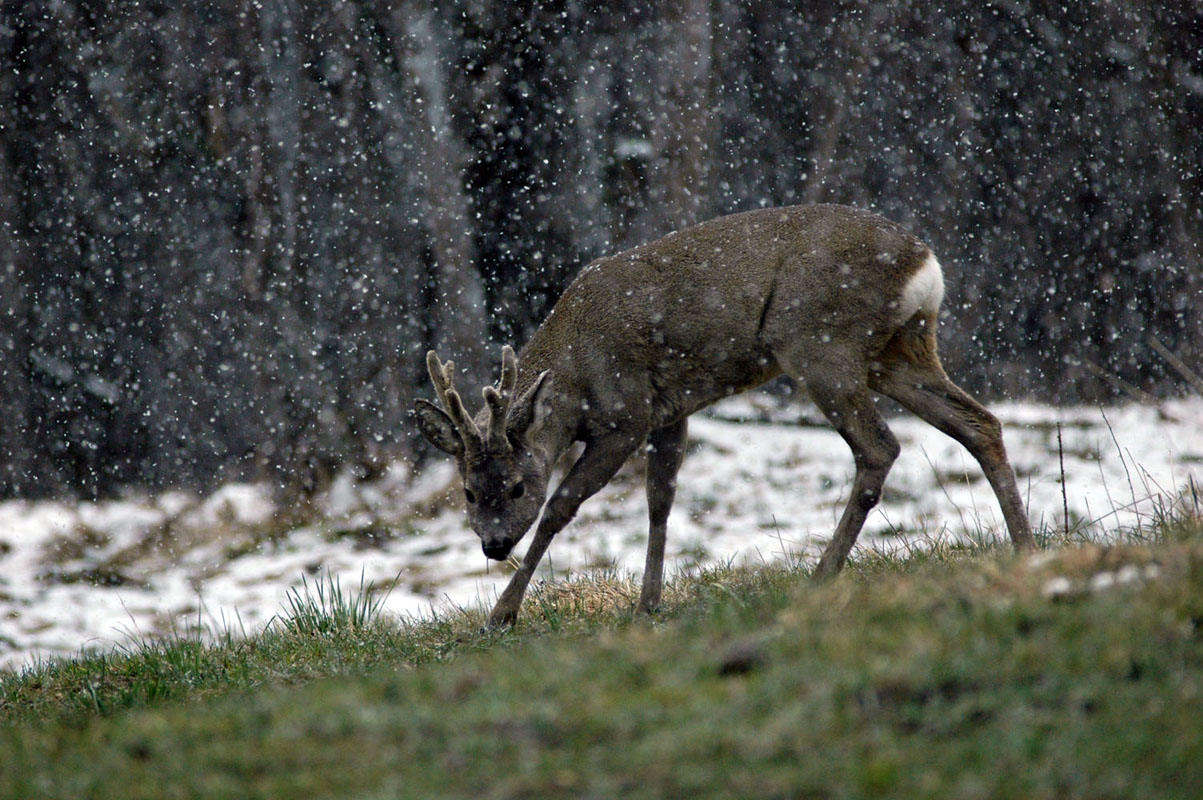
x: 879, y: 459
x: 891, y: 454
x: 987, y: 434
x: 868, y: 498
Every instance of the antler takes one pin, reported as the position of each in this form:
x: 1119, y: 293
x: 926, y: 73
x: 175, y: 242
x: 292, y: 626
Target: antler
x: 499, y: 397
x: 443, y: 378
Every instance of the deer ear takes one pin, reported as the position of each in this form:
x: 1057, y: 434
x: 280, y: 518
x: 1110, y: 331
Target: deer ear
x: 438, y: 428
x: 531, y: 411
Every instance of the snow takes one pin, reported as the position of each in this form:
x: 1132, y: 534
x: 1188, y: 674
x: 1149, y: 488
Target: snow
x: 760, y: 481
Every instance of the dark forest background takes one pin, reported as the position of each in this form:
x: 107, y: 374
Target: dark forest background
x: 229, y: 230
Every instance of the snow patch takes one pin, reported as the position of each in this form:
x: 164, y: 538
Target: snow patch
x: 762, y: 480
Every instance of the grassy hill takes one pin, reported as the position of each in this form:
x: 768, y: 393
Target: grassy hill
x: 963, y: 673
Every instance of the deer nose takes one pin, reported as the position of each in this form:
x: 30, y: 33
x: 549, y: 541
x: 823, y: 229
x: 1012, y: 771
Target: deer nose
x: 497, y: 550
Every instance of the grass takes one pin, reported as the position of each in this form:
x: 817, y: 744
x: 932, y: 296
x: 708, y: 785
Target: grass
x: 326, y: 609
x: 961, y: 671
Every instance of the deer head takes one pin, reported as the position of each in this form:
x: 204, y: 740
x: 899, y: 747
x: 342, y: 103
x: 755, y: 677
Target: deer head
x: 502, y: 465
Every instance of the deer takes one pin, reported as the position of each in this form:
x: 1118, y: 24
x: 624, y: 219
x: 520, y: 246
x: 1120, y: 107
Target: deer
x: 840, y: 299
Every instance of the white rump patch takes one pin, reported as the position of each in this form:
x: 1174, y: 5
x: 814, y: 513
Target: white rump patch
x: 923, y: 292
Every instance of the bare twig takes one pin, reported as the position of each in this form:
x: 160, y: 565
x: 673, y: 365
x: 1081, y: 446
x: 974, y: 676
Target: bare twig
x: 940, y: 482
x: 1064, y: 496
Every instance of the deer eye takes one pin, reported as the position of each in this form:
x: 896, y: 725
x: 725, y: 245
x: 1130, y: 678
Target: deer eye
x: 469, y: 496
x: 518, y: 490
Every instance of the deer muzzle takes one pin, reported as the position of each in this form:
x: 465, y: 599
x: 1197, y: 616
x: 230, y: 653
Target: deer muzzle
x: 497, y: 549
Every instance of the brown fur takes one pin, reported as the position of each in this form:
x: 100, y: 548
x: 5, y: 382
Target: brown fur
x: 642, y: 339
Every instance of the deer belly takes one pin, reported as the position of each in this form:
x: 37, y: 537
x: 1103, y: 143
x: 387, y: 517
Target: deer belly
x: 699, y: 379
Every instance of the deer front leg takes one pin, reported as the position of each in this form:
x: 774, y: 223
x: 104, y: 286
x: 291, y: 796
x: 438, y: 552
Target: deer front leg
x: 665, y: 450
x: 593, y: 470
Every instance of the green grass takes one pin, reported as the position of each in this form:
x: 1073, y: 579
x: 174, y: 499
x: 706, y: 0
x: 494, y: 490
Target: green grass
x: 959, y: 672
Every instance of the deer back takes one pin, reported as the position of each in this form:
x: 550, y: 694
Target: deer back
x: 661, y: 330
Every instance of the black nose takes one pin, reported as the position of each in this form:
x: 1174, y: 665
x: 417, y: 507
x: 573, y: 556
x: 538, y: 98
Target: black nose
x: 498, y: 551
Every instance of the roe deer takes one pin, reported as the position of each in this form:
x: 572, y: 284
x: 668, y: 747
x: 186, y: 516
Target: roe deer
x: 840, y: 299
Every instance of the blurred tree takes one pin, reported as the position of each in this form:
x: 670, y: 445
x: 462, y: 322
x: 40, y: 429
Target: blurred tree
x: 230, y: 230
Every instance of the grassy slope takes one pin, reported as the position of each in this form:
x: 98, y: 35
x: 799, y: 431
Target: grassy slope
x: 967, y: 677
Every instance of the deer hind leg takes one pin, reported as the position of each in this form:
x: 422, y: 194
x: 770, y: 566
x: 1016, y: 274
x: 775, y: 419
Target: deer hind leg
x: 874, y: 449
x: 666, y: 449
x: 909, y: 371
x: 837, y: 382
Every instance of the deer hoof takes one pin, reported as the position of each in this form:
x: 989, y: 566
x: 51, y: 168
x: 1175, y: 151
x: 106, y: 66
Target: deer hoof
x: 502, y: 618
x: 647, y: 608
x: 826, y: 570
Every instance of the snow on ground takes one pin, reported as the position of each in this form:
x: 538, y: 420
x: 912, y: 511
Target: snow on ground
x: 759, y: 481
